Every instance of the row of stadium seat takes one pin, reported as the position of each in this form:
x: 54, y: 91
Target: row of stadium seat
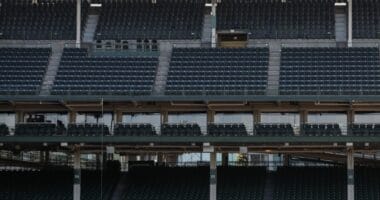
x: 171, y: 19
x: 196, y: 71
x: 55, y: 184
x: 22, y: 70
x: 49, y: 20
x: 49, y: 129
x: 82, y: 75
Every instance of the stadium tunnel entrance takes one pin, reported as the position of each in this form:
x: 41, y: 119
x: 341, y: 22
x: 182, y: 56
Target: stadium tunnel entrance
x: 232, y: 39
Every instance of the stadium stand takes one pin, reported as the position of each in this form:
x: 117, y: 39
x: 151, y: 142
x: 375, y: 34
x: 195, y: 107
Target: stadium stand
x: 134, y: 130
x: 278, y: 19
x: 54, y: 184
x: 329, y: 71
x: 366, y: 19
x: 235, y: 183
x: 181, y: 130
x: 22, y: 70
x: 165, y: 19
x: 87, y: 130
x: 47, y: 20
x: 35, y: 129
x: 274, y: 129
x: 365, y: 129
x: 216, y: 71
x: 81, y: 74
x: 321, y: 129
x: 313, y: 183
x: 169, y: 183
x: 226, y: 130
x: 366, y: 183
x: 4, y: 130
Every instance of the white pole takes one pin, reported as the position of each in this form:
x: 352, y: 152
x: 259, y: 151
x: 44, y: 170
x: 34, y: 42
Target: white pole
x: 77, y: 176
x: 78, y: 30
x: 349, y: 23
x: 350, y: 175
x: 213, y: 178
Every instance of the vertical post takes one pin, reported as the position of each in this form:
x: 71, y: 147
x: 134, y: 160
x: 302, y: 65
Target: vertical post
x: 224, y: 159
x: 77, y: 175
x: 78, y: 30
x: 256, y: 119
x: 213, y: 178
x: 349, y: 42
x: 72, y: 117
x: 210, y: 116
x: 119, y: 116
x: 350, y: 175
x: 350, y: 120
x: 213, y: 23
x: 303, y: 119
x: 164, y: 117
x: 19, y: 117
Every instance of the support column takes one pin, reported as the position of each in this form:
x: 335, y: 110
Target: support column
x: 72, y: 117
x: 350, y: 120
x: 119, y: 116
x: 349, y: 41
x: 224, y: 159
x: 77, y: 175
x: 303, y: 119
x: 210, y: 116
x: 256, y: 117
x: 213, y: 23
x: 19, y: 117
x: 350, y: 175
x: 213, y: 178
x: 78, y: 30
x: 164, y: 117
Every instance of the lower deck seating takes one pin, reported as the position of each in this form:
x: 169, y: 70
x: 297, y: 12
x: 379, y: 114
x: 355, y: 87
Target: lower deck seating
x: 22, y: 70
x: 80, y: 74
x: 167, y: 183
x: 227, y: 130
x: 55, y: 184
x: 35, y: 129
x: 181, y: 130
x: 311, y: 183
x: 365, y: 129
x: 218, y: 71
x: 274, y: 130
x: 134, y: 130
x: 321, y: 130
x: 367, y: 181
x: 87, y: 130
x: 4, y: 130
x: 236, y: 183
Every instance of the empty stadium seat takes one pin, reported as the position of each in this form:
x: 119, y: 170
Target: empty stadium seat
x: 329, y: 71
x: 4, y: 130
x: 80, y: 74
x: 216, y: 71
x: 365, y: 129
x: 321, y: 130
x: 274, y: 130
x: 22, y: 70
x: 169, y: 183
x: 312, y: 19
x: 366, y: 19
x: 134, y: 130
x: 165, y: 19
x: 35, y: 129
x: 312, y: 183
x: 181, y: 130
x: 226, y: 130
x: 47, y: 20
x: 87, y: 130
x: 237, y: 183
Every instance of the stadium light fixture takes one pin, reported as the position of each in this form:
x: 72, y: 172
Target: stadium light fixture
x: 208, y: 4
x: 96, y: 5
x: 340, y: 4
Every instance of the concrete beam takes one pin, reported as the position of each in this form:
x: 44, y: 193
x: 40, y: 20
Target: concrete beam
x: 79, y: 20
